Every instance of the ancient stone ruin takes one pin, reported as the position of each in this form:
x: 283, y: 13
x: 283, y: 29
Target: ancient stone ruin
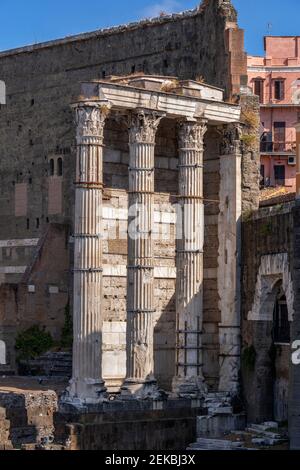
x: 130, y: 175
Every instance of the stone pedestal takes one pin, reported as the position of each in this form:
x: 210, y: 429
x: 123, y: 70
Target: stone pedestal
x: 86, y: 385
x: 140, y: 381
x: 229, y: 259
x: 189, y: 288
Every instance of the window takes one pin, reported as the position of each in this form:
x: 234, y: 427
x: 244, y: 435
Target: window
x: 279, y: 89
x: 51, y: 167
x: 279, y: 136
x: 259, y: 89
x: 281, y: 321
x: 59, y: 167
x: 266, y: 144
x: 279, y: 175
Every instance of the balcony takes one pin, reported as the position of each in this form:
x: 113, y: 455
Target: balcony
x: 278, y: 148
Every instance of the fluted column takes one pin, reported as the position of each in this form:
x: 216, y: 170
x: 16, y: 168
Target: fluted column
x: 86, y: 385
x: 140, y: 381
x: 188, y: 380
x: 229, y: 259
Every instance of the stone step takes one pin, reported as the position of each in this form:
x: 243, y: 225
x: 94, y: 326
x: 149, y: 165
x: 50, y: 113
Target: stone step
x: 268, y: 442
x: 260, y: 432
x: 215, y: 444
x: 51, y: 364
x: 6, y: 370
x: 218, y: 425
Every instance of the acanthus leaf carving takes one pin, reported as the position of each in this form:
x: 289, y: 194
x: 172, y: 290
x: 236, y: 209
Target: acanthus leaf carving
x: 143, y: 126
x: 191, y: 134
x: 90, y: 120
x: 231, y: 139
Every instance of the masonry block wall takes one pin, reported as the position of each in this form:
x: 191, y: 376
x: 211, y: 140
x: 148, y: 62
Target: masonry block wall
x: 265, y: 368
x: 41, y: 297
x: 294, y: 410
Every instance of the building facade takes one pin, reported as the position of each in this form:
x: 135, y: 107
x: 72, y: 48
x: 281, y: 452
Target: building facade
x: 275, y: 78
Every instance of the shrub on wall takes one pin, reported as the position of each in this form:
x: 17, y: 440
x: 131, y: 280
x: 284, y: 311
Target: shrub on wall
x: 33, y: 342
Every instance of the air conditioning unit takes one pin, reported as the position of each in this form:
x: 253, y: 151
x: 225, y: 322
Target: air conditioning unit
x: 292, y: 160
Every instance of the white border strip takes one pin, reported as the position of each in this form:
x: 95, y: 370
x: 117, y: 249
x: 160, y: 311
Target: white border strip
x: 12, y: 269
x: 19, y: 242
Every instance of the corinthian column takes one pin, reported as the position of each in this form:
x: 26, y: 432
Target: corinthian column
x: 190, y: 239
x: 140, y: 381
x: 229, y: 269
x: 86, y: 385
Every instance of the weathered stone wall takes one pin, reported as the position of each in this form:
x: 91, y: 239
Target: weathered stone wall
x: 251, y: 153
x: 165, y: 428
x: 266, y: 232
x: 294, y: 408
x: 29, y: 416
x: 42, y: 295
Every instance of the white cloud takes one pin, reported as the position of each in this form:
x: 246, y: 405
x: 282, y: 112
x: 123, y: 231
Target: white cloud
x: 166, y: 6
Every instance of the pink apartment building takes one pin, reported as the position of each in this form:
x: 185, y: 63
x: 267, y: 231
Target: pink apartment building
x: 275, y: 78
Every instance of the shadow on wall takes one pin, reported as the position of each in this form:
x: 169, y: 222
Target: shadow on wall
x: 164, y: 346
x: 266, y: 372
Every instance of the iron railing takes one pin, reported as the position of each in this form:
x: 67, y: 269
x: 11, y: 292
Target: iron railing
x: 275, y: 147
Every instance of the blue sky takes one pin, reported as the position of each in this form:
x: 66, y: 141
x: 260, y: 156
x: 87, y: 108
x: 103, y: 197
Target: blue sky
x: 30, y: 21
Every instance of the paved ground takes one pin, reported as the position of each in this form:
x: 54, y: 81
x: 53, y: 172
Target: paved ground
x: 31, y: 384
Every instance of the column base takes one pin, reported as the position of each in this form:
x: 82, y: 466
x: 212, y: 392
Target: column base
x: 141, y: 390
x: 82, y: 392
x: 189, y: 387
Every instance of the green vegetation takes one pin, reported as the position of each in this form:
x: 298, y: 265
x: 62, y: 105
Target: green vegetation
x: 266, y: 229
x: 250, y: 137
x: 33, y: 342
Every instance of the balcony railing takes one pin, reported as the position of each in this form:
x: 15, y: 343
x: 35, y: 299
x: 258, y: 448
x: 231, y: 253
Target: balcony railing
x: 277, y: 147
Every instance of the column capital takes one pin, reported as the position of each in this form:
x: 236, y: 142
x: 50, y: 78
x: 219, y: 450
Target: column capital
x: 191, y: 133
x: 231, y: 138
x: 90, y: 119
x: 143, y: 124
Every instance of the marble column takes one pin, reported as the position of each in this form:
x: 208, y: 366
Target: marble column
x: 229, y: 259
x: 188, y: 380
x: 140, y: 381
x: 86, y: 385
